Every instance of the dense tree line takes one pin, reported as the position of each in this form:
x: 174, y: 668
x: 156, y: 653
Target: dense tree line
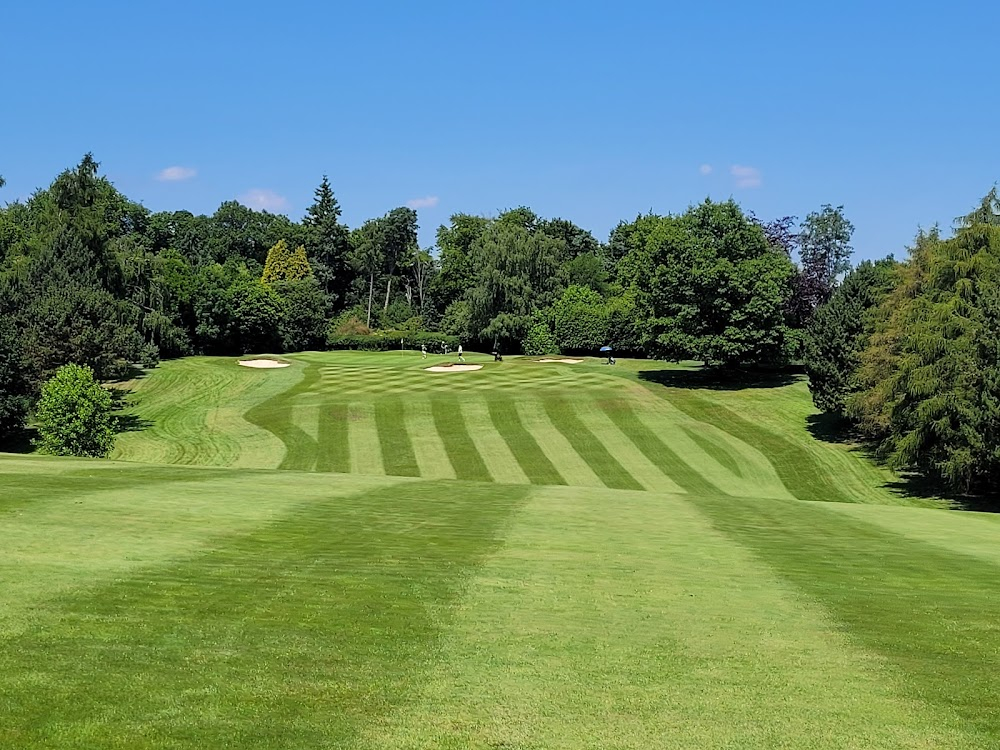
x: 89, y: 277
x: 909, y: 353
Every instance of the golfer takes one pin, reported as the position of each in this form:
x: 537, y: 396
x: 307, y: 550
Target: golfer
x: 423, y: 351
x: 460, y: 357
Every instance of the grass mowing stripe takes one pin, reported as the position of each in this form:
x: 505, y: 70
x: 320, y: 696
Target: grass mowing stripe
x: 554, y: 444
x: 334, y: 452
x: 432, y: 459
x: 300, y: 633
x: 720, y: 454
x: 535, y: 464
x: 801, y: 474
x: 656, y: 450
x: 397, y: 451
x: 362, y: 435
x: 500, y: 462
x: 588, y: 447
x: 930, y: 612
x: 450, y: 425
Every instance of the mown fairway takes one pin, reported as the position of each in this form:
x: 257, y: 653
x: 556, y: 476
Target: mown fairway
x: 528, y: 556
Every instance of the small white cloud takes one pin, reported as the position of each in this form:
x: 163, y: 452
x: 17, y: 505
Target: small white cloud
x: 176, y: 174
x: 705, y: 169
x: 746, y: 177
x: 428, y: 201
x: 263, y: 200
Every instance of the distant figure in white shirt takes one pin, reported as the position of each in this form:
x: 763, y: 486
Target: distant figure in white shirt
x: 460, y: 357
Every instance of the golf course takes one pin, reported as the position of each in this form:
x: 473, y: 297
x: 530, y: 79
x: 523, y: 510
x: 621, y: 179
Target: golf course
x: 353, y: 551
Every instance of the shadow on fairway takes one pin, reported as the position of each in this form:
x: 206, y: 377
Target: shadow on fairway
x: 131, y: 423
x: 721, y: 379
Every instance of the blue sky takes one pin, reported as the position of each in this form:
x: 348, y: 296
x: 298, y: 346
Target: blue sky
x: 592, y: 112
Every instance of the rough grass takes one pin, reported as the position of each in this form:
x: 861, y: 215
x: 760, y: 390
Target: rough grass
x: 634, y: 565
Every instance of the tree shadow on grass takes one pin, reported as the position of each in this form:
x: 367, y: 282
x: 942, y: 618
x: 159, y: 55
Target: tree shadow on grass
x: 722, y: 378
x: 831, y: 428
x: 131, y: 423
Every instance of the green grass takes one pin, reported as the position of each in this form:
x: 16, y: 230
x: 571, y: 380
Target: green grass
x: 352, y: 552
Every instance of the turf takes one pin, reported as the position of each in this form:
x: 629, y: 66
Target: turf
x: 352, y: 552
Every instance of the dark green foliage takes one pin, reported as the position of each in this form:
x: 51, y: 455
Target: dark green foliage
x: 824, y: 252
x: 385, y: 341
x: 454, y: 243
x: 328, y: 244
x: 304, y: 314
x: 73, y: 415
x: 257, y: 315
x: 457, y: 320
x: 840, y: 331
x: 13, y: 385
x: 930, y: 378
x: 715, y: 286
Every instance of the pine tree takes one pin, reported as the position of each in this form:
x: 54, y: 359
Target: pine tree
x: 328, y: 243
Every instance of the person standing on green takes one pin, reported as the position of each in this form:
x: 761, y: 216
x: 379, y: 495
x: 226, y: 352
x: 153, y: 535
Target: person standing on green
x: 460, y: 357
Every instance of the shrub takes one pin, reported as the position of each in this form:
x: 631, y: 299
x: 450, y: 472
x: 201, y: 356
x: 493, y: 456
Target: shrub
x: 539, y: 341
x: 73, y: 415
x: 383, y: 341
x: 581, y: 320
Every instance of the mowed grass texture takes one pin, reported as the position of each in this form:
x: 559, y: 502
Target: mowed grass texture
x: 516, y: 422
x: 529, y: 556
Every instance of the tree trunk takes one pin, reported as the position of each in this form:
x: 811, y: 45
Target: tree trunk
x: 388, y: 286
x: 371, y: 293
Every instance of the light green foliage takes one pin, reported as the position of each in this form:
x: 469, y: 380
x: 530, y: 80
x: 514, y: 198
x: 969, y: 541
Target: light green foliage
x: 515, y: 277
x: 283, y: 265
x: 539, y: 340
x: 580, y: 320
x: 73, y: 415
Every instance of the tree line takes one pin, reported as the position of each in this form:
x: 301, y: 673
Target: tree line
x: 89, y: 277
x: 908, y: 354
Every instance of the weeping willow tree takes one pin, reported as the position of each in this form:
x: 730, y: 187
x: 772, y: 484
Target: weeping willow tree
x: 930, y: 377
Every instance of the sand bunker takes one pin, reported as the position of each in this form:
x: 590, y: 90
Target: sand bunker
x: 264, y: 364
x: 453, y: 368
x: 564, y: 361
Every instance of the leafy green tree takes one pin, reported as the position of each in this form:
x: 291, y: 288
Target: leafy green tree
x: 840, y: 331
x: 824, y: 253
x: 454, y: 243
x: 398, y: 237
x: 457, y: 320
x: 257, y: 313
x: 714, y: 286
x: 515, y: 277
x: 586, y: 269
x: 328, y: 243
x: 283, y: 264
x: 14, y: 399
x: 580, y: 320
x: 304, y: 316
x: 73, y: 415
x: 930, y: 377
x: 539, y: 340
x: 366, y: 256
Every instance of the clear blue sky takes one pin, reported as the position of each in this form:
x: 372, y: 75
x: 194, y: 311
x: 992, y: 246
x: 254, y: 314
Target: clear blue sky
x: 592, y: 112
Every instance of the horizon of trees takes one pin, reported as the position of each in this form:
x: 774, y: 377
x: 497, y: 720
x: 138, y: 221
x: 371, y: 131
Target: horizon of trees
x: 89, y: 277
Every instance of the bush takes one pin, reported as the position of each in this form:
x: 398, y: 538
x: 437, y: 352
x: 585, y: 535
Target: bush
x: 73, y: 415
x: 384, y: 341
x: 581, y: 320
x: 539, y: 341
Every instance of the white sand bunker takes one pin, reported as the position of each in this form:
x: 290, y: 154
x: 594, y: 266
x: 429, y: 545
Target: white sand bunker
x: 564, y: 361
x: 263, y: 364
x: 453, y: 368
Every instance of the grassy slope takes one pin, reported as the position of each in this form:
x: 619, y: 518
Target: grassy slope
x: 520, y: 422
x: 189, y: 607
x: 176, y: 607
